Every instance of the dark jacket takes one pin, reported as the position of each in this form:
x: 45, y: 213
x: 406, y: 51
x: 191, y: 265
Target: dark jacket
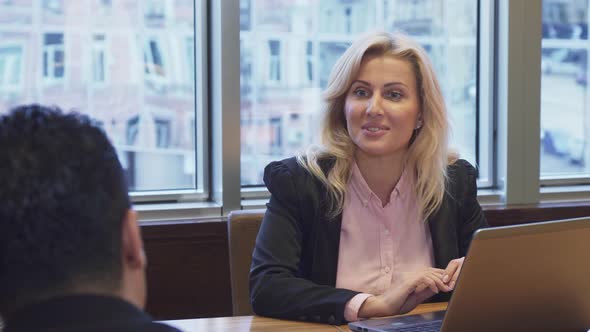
x: 295, y: 259
x: 83, y: 313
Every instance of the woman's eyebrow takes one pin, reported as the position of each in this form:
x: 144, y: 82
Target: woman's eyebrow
x: 386, y: 84
x: 395, y: 83
x: 362, y: 82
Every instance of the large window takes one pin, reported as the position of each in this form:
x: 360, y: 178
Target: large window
x: 289, y: 47
x: 129, y: 64
x: 199, y: 96
x: 565, y: 95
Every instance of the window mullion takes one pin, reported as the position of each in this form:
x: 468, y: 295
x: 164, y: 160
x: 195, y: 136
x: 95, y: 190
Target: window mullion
x: 225, y: 103
x: 518, y: 91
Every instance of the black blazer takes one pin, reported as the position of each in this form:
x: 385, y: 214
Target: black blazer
x: 295, y: 259
x: 83, y: 313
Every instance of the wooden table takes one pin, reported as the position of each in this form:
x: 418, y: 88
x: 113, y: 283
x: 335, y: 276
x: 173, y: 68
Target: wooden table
x: 257, y: 323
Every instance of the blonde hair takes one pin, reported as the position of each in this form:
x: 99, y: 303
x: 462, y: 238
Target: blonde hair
x: 428, y: 154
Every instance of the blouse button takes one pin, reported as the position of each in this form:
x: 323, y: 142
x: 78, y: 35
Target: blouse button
x: 387, y: 269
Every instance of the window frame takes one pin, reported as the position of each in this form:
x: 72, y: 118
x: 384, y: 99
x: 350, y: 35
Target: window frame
x: 187, y: 203
x: 485, y: 43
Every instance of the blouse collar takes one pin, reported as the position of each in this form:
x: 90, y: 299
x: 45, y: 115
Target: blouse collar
x: 358, y: 184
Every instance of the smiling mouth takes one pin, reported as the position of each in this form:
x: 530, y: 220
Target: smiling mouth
x: 374, y: 129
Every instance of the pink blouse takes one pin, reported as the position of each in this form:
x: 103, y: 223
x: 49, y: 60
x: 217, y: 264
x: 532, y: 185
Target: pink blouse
x: 379, y: 245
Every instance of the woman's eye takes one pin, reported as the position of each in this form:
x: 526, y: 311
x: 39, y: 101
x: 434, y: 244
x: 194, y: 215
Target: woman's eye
x: 395, y: 95
x: 360, y: 93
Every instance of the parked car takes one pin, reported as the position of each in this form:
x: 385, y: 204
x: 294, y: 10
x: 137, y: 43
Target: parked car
x: 563, y: 144
x: 562, y: 61
x: 553, y: 30
x: 582, y: 77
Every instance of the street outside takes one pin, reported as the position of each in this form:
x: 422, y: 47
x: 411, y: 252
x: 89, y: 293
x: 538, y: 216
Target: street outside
x: 564, y: 114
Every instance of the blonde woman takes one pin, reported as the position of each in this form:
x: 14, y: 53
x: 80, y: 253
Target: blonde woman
x: 379, y: 217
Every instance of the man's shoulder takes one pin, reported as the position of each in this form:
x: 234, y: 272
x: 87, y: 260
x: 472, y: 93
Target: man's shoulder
x: 123, y: 326
x: 144, y: 327
x: 83, y: 312
x: 163, y: 327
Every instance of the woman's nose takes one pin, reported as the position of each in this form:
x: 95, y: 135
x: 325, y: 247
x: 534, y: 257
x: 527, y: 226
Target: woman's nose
x: 375, y: 106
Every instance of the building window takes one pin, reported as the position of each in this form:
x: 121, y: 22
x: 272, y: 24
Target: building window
x: 137, y: 136
x: 246, y: 80
x: 162, y: 132
x: 309, y: 61
x: 348, y: 20
x: 53, y: 57
x: 132, y: 130
x: 245, y: 15
x: 155, y: 9
x: 99, y: 59
x: 276, y: 137
x: 155, y: 65
x: 190, y: 59
x: 274, y: 73
x: 105, y: 6
x: 10, y: 67
x: 53, y: 6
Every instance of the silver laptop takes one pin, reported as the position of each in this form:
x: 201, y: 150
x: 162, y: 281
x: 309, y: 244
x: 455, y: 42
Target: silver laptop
x: 515, y: 278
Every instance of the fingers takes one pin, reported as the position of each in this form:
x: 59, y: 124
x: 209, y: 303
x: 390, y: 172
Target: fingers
x: 440, y: 285
x: 431, y: 279
x: 411, y: 302
x: 455, y: 277
x: 413, y: 288
x: 452, y: 272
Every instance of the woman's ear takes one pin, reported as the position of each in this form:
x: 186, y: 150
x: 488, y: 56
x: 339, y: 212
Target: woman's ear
x: 419, y: 123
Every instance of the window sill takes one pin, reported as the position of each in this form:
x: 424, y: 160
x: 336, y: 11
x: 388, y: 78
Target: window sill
x: 554, y: 194
x: 178, y: 211
x: 208, y: 211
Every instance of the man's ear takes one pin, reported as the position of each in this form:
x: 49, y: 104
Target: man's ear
x: 131, y: 245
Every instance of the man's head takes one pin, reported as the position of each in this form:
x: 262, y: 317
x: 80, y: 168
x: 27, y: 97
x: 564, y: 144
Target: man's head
x: 66, y: 226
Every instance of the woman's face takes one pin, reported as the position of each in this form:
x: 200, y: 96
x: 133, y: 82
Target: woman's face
x: 382, y: 107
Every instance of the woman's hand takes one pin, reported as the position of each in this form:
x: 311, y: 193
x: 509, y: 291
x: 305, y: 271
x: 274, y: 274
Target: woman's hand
x: 406, y: 294
x: 452, y: 272
x: 415, y: 299
x: 449, y: 278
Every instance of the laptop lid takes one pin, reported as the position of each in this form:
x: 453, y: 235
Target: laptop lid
x: 532, y: 276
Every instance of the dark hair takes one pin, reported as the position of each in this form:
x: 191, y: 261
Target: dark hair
x: 63, y: 197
